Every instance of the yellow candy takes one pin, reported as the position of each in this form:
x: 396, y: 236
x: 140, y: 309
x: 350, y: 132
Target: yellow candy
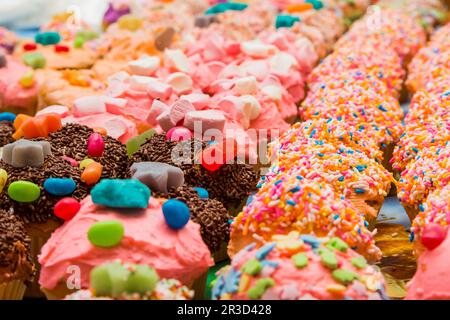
x: 336, y: 288
x: 129, y: 22
x: 3, y: 179
x: 244, y: 282
x: 27, y: 81
x: 75, y: 78
x: 85, y: 163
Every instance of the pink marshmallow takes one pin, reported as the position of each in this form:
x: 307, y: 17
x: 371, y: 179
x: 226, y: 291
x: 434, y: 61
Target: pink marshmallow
x: 179, y: 109
x: 115, y: 105
x: 61, y: 110
x: 88, y: 105
x: 164, y: 121
x: 156, y: 109
x: 209, y: 119
x: 159, y: 90
x: 199, y: 100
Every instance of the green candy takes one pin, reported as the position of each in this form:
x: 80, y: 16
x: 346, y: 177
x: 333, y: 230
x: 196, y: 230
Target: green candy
x: 300, y: 260
x: 285, y: 21
x: 317, y: 4
x: 328, y: 258
x: 35, y: 60
x: 106, y: 234
x: 109, y: 280
x: 359, y: 262
x: 135, y: 143
x: 225, y: 6
x: 252, y: 267
x: 344, y: 276
x: 338, y: 244
x: 142, y: 280
x: 47, y: 38
x: 86, y: 35
x: 259, y: 288
x: 24, y: 191
x: 78, y: 42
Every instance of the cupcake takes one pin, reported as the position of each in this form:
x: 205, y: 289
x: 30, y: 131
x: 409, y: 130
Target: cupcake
x: 36, y: 181
x: 18, y: 86
x: 17, y: 269
x: 299, y: 267
x: 431, y: 281
x: 229, y: 182
x: 289, y: 202
x: 120, y: 221
x: 123, y: 281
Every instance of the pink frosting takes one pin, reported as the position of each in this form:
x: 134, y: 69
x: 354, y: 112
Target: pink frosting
x: 12, y: 94
x: 432, y: 278
x: 179, y: 254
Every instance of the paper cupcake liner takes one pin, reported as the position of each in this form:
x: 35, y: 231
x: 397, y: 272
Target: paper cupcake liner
x: 12, y: 290
x: 33, y: 290
x: 370, y: 207
x: 199, y: 287
x: 57, y: 293
x: 221, y: 254
x: 411, y: 211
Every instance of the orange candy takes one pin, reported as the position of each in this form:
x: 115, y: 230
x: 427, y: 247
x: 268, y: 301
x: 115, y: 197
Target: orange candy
x: 100, y: 130
x: 299, y: 7
x: 39, y: 126
x: 92, y: 173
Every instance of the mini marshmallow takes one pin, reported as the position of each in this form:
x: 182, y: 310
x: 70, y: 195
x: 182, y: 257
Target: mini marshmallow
x: 180, y: 82
x: 115, y: 128
x: 209, y: 119
x: 88, y: 105
x: 115, y: 105
x: 156, y: 109
x: 164, y: 121
x: 158, y: 89
x: 246, y: 85
x: 141, y: 83
x: 179, y: 109
x: 177, y: 60
x: 252, y: 107
x: 61, y: 110
x: 257, y: 49
x: 281, y: 63
x: 199, y: 100
x: 119, y: 76
x: 145, y: 66
x: 273, y: 92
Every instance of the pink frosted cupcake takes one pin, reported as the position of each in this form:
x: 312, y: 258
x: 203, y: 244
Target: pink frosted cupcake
x: 134, y: 229
x: 299, y: 267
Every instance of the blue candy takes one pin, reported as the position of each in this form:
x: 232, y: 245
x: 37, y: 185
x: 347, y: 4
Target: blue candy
x: 176, y: 213
x: 202, y: 193
x: 7, y: 116
x: 60, y: 186
x: 117, y: 193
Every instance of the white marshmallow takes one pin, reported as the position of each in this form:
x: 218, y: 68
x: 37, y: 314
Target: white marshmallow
x: 180, y: 82
x: 257, y: 49
x: 252, y: 107
x: 177, y: 59
x: 246, y: 85
x: 273, y: 92
x: 88, y: 105
x: 282, y: 62
x: 145, y: 66
x: 141, y: 83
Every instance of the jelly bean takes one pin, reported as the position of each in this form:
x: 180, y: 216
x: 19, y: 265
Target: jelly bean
x: 66, y: 208
x: 60, y: 186
x: 59, y: 48
x: 135, y: 143
x: 70, y: 160
x: 3, y: 179
x: 38, y: 126
x: 202, y: 193
x: 29, y: 46
x: 23, y: 191
x: 87, y: 35
x: 142, y: 280
x: 75, y: 78
x: 78, y: 42
x: 176, y: 213
x: 285, y: 21
x: 95, y: 145
x: 35, y: 60
x: 118, y: 193
x: 432, y: 235
x: 92, y: 173
x: 27, y: 80
x: 299, y: 7
x: 84, y: 163
x: 20, y: 119
x: 129, y: 22
x: 106, y: 234
x: 109, y: 279
x: 7, y: 116
x: 100, y: 130
x: 317, y: 4
x: 47, y: 38
x: 178, y: 134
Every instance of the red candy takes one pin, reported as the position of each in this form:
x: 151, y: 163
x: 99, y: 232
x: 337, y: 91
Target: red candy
x: 178, y: 134
x: 29, y: 46
x: 95, y: 145
x: 433, y: 235
x: 66, y: 208
x: 61, y: 48
x: 212, y: 158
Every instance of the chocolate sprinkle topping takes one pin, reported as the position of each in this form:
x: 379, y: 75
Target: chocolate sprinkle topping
x: 230, y: 184
x: 210, y: 214
x: 6, y: 131
x: 41, y: 210
x: 71, y: 141
x: 15, y: 256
